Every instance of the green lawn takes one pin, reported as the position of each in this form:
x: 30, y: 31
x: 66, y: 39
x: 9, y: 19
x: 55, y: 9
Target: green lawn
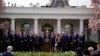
x: 70, y: 53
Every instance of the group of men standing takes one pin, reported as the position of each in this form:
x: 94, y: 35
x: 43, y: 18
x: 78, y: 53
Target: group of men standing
x: 22, y: 41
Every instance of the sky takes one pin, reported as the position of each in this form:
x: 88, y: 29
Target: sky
x: 44, y: 2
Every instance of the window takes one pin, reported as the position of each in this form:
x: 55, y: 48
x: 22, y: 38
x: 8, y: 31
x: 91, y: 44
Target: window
x: 47, y: 28
x: 69, y: 29
x: 25, y: 27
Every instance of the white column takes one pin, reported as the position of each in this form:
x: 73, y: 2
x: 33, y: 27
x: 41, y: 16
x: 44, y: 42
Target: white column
x: 36, y: 26
x: 13, y: 24
x: 58, y: 25
x: 81, y: 25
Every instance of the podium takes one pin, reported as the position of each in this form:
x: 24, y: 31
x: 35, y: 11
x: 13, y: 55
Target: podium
x: 47, y: 47
x: 47, y: 44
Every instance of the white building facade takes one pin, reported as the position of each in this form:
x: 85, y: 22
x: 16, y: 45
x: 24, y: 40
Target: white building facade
x: 48, y: 19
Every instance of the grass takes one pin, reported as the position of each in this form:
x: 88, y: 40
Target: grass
x: 70, y: 53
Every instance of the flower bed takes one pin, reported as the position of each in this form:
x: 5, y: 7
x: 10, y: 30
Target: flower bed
x: 70, y: 53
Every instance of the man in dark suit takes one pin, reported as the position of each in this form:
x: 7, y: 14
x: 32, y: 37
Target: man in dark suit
x: 52, y: 42
x: 25, y: 42
x: 63, y: 42
x: 82, y: 40
x: 69, y: 42
x: 30, y: 40
x: 1, y: 36
x: 41, y: 36
x: 72, y: 42
x: 6, y: 39
x: 12, y: 39
x: 21, y: 44
x: 36, y: 43
x: 76, y: 40
x: 1, y: 33
x: 9, y: 51
x: 17, y: 41
x: 42, y: 39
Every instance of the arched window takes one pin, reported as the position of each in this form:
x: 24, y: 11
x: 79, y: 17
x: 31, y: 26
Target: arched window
x: 69, y: 29
x: 47, y: 28
x: 25, y: 27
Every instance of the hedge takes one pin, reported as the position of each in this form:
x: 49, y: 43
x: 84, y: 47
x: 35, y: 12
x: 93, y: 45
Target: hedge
x: 70, y: 53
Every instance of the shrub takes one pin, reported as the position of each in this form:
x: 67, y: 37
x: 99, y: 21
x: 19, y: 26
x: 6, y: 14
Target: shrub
x: 70, y: 53
x: 1, y: 45
x: 90, y: 43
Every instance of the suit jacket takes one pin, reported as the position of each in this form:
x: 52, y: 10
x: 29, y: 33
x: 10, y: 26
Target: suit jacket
x: 36, y: 40
x: 21, y: 39
x: 76, y: 38
x: 6, y: 37
x: 47, y: 39
x: 53, y: 39
x: 71, y: 38
x: 63, y: 40
x: 29, y: 38
x: 82, y: 38
x: 17, y: 38
x: 40, y: 40
x: 7, y: 54
x: 1, y: 34
x: 24, y: 38
x: 11, y: 36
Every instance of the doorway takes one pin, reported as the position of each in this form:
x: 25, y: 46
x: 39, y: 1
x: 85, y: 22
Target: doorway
x: 47, y: 28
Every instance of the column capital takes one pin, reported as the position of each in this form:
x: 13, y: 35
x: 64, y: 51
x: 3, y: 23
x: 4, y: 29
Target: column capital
x: 12, y: 18
x: 82, y: 18
x: 35, y: 18
x: 59, y: 18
